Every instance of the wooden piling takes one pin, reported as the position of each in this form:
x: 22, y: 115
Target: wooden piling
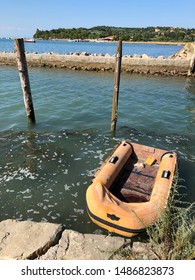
x: 116, y: 86
x: 24, y: 78
x: 192, y: 66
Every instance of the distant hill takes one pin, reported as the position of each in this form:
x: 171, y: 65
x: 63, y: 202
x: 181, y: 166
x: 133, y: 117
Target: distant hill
x: 162, y: 34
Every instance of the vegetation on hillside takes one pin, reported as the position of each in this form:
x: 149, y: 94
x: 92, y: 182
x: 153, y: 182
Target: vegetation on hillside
x: 162, y: 34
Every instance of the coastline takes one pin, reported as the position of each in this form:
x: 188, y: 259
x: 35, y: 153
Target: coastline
x: 156, y: 43
x: 125, y: 42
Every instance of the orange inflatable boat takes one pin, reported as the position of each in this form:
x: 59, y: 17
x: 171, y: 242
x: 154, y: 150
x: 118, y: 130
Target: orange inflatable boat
x: 130, y: 190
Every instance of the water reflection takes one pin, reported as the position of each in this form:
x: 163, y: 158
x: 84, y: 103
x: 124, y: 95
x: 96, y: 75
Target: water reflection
x: 190, y: 107
x: 190, y: 85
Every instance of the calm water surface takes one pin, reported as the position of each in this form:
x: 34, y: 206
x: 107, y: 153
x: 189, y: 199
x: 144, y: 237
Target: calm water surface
x: 45, y: 170
x: 62, y: 47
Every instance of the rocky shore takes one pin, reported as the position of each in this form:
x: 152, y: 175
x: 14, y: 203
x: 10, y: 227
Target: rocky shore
x: 180, y: 64
x: 28, y: 240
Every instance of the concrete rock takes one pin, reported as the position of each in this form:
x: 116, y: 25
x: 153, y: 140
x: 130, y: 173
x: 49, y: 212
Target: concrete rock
x: 143, y: 251
x: 160, y: 57
x: 186, y: 52
x: 145, y: 56
x: 136, y: 56
x: 27, y: 239
x: 77, y: 246
x: 47, y: 241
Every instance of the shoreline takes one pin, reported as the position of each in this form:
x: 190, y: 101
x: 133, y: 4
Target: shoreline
x: 157, y: 43
x: 29, y: 240
x: 124, y: 42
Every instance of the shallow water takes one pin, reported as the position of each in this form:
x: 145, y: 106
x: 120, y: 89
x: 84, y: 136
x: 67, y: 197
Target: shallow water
x: 45, y: 170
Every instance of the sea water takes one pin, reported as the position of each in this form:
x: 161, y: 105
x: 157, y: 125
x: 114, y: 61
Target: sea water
x: 45, y: 170
x: 65, y: 47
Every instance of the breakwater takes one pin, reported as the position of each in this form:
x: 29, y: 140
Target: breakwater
x: 97, y: 62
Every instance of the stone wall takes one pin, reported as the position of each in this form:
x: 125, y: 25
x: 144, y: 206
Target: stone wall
x: 93, y: 62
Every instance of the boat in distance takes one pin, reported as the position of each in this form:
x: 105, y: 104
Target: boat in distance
x: 29, y: 40
x: 131, y: 189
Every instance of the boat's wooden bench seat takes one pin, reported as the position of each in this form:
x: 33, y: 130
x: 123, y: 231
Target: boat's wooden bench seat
x: 136, y: 182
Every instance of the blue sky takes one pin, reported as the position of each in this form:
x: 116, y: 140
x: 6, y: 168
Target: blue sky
x: 21, y: 18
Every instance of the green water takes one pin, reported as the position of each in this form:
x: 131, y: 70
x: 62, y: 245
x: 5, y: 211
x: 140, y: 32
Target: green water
x: 45, y: 170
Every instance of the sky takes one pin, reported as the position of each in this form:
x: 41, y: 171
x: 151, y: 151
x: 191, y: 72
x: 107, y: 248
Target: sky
x: 21, y: 18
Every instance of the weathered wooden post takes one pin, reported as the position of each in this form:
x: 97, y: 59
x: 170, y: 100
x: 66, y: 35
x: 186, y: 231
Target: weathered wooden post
x: 116, y: 86
x: 192, y: 66
x: 24, y: 78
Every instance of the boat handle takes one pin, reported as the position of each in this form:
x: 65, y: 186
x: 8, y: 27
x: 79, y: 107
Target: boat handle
x: 113, y: 160
x: 166, y: 174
